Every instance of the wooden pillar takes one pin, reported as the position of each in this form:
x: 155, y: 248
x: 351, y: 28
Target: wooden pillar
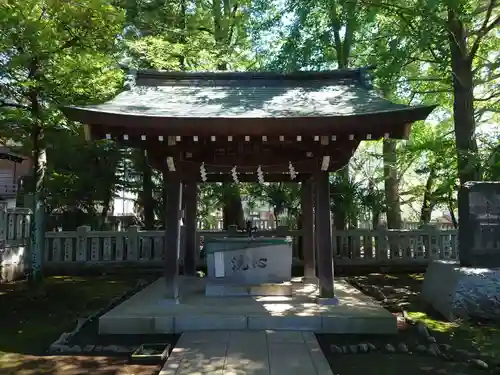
x: 173, y: 216
x: 324, y: 236
x: 191, y: 250
x: 308, y: 250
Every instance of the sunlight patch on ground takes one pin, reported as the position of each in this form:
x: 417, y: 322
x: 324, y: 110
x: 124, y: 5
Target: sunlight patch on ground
x: 433, y: 324
x: 391, y: 277
x: 9, y: 360
x: 417, y: 276
x: 73, y: 279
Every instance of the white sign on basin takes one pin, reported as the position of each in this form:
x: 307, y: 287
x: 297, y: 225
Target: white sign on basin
x: 246, y: 261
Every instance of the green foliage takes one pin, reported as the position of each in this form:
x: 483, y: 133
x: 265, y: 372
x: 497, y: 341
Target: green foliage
x: 184, y: 35
x: 56, y: 52
x: 63, y: 50
x: 283, y: 197
x: 431, y: 152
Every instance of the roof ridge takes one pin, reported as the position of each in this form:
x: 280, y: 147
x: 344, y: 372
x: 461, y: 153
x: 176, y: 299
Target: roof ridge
x: 352, y: 73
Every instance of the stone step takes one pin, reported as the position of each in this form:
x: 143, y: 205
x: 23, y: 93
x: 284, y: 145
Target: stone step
x: 234, y: 290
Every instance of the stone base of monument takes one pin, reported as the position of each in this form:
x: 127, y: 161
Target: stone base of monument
x: 222, y: 289
x: 461, y: 292
x: 144, y: 313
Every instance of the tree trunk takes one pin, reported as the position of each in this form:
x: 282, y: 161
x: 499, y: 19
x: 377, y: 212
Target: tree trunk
x: 342, y: 50
x: 164, y: 176
x: 375, y: 206
x: 375, y: 219
x: 463, y: 104
x: 339, y: 215
x: 222, y: 29
x: 147, y: 194
x: 452, y: 213
x: 106, y: 205
x: 428, y: 203
x: 37, y: 233
x: 232, y: 207
x: 38, y: 223
x: 391, y: 185
x: 182, y: 38
x: 111, y: 163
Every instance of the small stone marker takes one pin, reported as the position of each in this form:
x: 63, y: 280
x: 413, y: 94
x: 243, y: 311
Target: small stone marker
x: 353, y: 349
x: 445, y: 347
x: 363, y: 348
x: 423, y: 331
x: 371, y: 346
x: 479, y: 363
x: 479, y: 228
x: 433, y: 349
x: 402, y: 347
x: 75, y: 349
x: 421, y: 348
x: 335, y: 349
x: 63, y: 338
x: 390, y: 348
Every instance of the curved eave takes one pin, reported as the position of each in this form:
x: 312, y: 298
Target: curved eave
x: 7, y: 155
x: 396, y: 122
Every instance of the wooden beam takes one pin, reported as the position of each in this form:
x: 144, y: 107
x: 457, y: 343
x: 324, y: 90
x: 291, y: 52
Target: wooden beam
x: 191, y: 250
x: 283, y: 137
x: 324, y: 235
x: 307, y: 205
x: 394, y: 122
x: 173, y: 193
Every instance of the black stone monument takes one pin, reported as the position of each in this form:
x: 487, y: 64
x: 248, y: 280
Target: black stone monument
x: 479, y: 224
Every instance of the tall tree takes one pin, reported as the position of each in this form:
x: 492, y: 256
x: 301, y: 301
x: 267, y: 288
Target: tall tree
x: 54, y: 52
x: 455, y: 40
x: 323, y: 35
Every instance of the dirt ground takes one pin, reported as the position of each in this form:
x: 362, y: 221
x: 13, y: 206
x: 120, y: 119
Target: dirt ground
x: 32, y: 317
x: 463, y: 343
x: 17, y: 364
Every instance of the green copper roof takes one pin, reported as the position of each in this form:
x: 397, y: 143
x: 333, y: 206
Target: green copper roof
x: 247, y: 95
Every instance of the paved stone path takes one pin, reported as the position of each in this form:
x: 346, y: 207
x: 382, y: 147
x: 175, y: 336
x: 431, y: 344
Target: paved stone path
x: 247, y: 353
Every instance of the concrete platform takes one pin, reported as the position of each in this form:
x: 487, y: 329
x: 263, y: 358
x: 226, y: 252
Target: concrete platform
x: 222, y: 289
x: 147, y: 312
x: 247, y: 353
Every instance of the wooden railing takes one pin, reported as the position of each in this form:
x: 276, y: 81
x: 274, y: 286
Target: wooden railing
x: 85, y: 247
x: 14, y: 239
x: 261, y: 224
x: 133, y: 245
x: 8, y: 190
x: 14, y: 225
x: 354, y: 247
x: 269, y: 224
x: 383, y: 246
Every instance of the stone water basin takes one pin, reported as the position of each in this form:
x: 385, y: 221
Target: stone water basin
x: 248, y: 261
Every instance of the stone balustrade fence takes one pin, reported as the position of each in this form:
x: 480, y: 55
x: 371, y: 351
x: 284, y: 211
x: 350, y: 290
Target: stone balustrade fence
x: 88, y: 248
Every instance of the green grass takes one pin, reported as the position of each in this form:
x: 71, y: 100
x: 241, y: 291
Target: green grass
x: 397, y: 291
x: 459, y: 333
x: 33, y: 316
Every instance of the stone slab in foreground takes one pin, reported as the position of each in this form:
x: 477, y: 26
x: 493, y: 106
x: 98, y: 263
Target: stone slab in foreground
x: 461, y: 292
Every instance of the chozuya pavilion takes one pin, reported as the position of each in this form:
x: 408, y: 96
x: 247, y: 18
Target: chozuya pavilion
x: 245, y: 126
